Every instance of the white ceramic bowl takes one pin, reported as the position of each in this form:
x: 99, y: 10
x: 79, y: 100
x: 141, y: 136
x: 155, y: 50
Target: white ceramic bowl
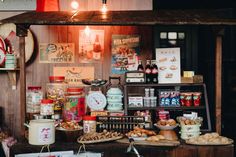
x: 190, y: 128
x: 188, y: 135
x: 161, y: 127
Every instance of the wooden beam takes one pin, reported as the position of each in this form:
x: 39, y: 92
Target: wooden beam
x: 218, y: 82
x: 21, y: 31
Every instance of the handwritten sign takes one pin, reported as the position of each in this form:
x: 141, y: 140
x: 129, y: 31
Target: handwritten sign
x: 168, y: 62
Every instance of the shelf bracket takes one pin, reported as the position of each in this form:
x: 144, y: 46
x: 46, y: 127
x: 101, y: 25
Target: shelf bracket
x: 12, y: 79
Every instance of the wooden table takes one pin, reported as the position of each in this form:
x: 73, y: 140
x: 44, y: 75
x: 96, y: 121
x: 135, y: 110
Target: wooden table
x: 115, y: 149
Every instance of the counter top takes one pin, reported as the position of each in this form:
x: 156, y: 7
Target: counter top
x: 116, y: 149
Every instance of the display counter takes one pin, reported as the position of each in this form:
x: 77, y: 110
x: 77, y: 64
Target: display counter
x: 115, y: 149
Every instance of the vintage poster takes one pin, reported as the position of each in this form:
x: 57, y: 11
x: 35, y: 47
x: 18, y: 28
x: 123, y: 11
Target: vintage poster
x: 56, y: 52
x: 168, y: 62
x: 125, y: 51
x: 91, y: 45
x: 74, y: 75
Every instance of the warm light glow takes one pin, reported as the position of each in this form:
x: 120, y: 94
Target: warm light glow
x: 74, y: 5
x: 87, y: 31
x: 104, y: 8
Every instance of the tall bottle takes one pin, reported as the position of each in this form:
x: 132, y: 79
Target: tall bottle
x: 97, y: 48
x: 148, y: 72
x: 140, y: 66
x: 154, y: 72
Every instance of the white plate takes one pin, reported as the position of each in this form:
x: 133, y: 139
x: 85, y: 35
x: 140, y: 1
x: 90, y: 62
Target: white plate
x: 2, y: 43
x: 165, y: 127
x: 2, y: 56
x: 6, y: 29
x: 63, y: 129
x: 138, y: 138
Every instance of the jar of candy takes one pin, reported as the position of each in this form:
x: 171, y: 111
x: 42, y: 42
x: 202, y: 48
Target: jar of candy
x: 34, y: 95
x: 89, y: 124
x: 46, y: 107
x: 56, y: 90
x: 74, y: 108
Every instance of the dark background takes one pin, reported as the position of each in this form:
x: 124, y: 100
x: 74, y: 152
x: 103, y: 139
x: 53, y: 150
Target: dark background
x: 204, y: 46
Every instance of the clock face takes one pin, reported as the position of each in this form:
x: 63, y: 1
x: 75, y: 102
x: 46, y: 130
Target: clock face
x: 96, y: 101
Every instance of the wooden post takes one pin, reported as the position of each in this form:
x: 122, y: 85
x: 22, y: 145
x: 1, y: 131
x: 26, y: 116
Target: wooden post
x: 218, y: 80
x: 21, y: 31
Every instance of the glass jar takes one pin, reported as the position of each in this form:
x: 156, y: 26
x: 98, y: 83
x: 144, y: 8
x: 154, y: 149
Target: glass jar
x: 74, y: 108
x: 34, y: 95
x: 56, y: 90
x: 89, y: 124
x: 46, y: 107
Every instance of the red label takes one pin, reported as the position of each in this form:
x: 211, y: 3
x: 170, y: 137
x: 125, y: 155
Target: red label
x: 154, y: 71
x: 148, y: 71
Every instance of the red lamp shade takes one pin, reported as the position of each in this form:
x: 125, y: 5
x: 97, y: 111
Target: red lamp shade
x: 47, y: 5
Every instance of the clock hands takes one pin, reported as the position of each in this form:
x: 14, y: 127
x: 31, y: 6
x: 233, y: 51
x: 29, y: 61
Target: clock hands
x: 96, y: 100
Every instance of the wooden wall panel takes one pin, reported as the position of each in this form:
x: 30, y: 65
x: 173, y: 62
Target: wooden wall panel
x: 111, y: 4
x: 38, y: 73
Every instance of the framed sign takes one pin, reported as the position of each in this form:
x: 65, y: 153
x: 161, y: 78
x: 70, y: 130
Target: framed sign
x: 56, y: 52
x: 74, y: 75
x: 168, y: 62
x: 125, y: 51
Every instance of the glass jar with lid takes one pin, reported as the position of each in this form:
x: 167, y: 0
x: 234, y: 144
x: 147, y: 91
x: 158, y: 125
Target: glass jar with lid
x: 56, y: 90
x: 74, y: 108
x: 34, y: 95
x: 46, y: 107
x: 89, y: 124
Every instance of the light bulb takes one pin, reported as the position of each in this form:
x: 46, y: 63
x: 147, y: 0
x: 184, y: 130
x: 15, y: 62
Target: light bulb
x: 104, y: 8
x: 87, y: 31
x: 74, y: 5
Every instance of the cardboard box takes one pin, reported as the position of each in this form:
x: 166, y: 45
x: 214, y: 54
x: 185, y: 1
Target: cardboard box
x: 135, y: 101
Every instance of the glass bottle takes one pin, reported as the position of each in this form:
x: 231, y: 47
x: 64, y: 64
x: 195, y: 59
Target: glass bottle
x: 140, y: 66
x: 154, y: 72
x: 97, y: 48
x: 148, y: 72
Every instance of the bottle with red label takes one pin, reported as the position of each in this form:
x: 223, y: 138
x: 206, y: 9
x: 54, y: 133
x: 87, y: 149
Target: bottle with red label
x: 154, y: 72
x: 148, y: 71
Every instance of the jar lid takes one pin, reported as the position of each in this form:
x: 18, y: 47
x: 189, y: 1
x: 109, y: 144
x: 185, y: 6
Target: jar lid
x: 56, y: 78
x: 89, y: 117
x: 46, y: 101
x: 74, y: 89
x: 34, y: 87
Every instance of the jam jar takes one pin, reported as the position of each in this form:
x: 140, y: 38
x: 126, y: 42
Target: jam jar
x: 56, y: 90
x: 34, y: 95
x: 74, y: 107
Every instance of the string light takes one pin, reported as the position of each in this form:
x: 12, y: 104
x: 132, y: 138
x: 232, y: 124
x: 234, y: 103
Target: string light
x: 74, y: 5
x: 87, y: 31
x: 104, y: 6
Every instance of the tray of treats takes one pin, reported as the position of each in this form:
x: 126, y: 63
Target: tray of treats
x: 210, y: 139
x: 169, y: 124
x: 140, y: 134
x: 104, y: 136
x: 69, y: 126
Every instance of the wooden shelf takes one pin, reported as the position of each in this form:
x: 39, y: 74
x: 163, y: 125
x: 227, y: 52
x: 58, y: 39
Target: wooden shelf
x: 163, y: 85
x: 146, y: 17
x: 167, y: 108
x: 9, y: 69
